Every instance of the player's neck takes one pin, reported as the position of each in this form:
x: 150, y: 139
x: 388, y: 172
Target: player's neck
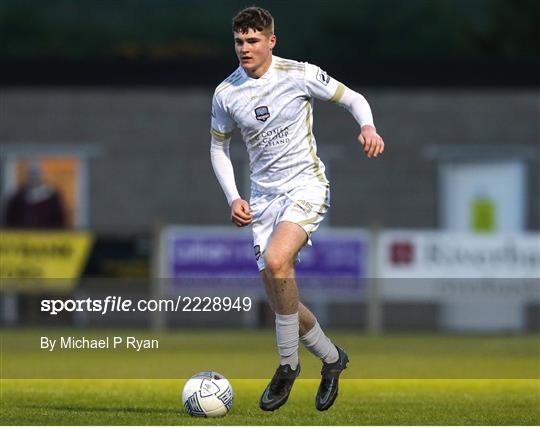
x: 261, y: 70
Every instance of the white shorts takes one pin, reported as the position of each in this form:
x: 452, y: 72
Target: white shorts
x: 305, y: 206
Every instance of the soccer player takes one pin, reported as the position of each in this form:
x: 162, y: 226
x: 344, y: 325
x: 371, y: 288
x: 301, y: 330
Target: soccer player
x: 270, y: 100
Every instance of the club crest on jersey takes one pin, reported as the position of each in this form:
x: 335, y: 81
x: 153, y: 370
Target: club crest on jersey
x: 323, y: 77
x: 262, y: 113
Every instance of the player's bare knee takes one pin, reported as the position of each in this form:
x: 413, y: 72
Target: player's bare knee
x: 276, y: 265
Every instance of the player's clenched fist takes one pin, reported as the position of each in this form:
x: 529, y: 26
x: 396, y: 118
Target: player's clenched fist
x: 240, y: 213
x: 371, y: 141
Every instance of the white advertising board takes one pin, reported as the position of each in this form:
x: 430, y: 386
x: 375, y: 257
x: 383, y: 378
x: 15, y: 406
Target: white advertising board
x: 482, y: 283
x: 431, y: 254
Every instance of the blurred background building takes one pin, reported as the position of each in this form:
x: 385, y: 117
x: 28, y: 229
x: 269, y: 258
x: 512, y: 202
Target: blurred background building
x: 113, y: 100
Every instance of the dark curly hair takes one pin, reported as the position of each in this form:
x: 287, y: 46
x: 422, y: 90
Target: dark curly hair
x: 255, y: 18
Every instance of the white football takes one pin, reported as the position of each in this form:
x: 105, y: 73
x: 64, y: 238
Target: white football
x: 208, y: 395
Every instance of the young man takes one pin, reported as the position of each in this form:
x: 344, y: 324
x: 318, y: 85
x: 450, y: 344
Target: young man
x: 270, y: 100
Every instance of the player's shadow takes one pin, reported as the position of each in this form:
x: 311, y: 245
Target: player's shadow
x: 164, y: 411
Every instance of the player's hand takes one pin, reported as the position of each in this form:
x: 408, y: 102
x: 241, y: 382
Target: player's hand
x: 240, y: 213
x: 372, y: 142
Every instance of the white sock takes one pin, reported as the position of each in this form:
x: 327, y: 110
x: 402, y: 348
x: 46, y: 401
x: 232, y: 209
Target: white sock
x: 287, y: 339
x: 318, y: 344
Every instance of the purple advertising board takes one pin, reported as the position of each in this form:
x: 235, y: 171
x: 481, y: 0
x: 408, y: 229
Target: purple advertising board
x: 218, y: 254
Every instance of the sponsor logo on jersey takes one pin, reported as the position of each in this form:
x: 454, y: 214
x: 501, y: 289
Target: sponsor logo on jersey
x: 274, y: 137
x: 262, y: 113
x: 323, y: 77
x: 257, y: 249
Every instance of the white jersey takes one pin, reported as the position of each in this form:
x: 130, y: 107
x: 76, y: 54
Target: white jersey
x: 275, y: 116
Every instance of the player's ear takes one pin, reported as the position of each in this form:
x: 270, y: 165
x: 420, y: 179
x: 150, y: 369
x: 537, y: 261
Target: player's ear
x: 272, y: 39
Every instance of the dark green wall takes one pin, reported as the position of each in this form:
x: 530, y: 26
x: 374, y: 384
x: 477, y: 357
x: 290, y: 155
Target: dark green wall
x: 327, y: 30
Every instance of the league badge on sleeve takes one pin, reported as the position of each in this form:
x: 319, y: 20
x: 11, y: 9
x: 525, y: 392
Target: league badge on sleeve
x: 323, y: 77
x: 262, y: 113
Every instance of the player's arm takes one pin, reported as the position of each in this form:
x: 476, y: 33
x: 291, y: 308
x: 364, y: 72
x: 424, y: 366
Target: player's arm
x: 320, y: 85
x: 358, y: 106
x: 223, y: 168
x: 221, y: 129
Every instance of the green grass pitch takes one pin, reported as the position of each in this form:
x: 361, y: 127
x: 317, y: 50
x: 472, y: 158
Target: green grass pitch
x: 360, y: 402
x: 368, y: 394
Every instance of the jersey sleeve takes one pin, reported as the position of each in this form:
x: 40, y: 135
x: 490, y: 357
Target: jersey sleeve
x: 222, y: 125
x: 320, y: 85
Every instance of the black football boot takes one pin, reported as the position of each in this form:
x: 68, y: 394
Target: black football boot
x: 328, y: 389
x: 277, y: 392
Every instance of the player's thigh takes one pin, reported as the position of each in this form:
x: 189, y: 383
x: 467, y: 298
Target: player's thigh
x: 286, y: 241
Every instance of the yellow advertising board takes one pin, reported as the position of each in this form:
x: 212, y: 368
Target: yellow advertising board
x: 52, y: 259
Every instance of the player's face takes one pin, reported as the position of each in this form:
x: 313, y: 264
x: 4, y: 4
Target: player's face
x: 254, y: 51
